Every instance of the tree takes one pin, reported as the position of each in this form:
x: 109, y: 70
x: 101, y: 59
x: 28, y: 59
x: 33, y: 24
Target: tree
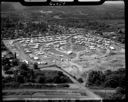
x: 5, y: 61
x: 6, y: 67
x: 31, y: 76
x: 115, y: 79
x: 119, y: 95
x: 111, y: 83
x: 80, y: 80
x: 107, y: 72
x: 9, y: 72
x: 20, y: 79
x: 96, y: 78
x: 8, y: 79
x: 35, y: 66
x: 3, y: 47
x: 120, y: 90
x: 121, y: 71
x: 24, y: 71
x: 15, y: 62
x: 40, y: 79
x: 24, y: 66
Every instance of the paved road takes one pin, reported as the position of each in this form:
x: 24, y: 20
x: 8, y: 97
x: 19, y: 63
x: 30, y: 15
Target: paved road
x: 103, y: 90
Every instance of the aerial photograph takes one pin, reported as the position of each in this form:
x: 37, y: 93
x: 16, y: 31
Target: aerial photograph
x: 63, y: 53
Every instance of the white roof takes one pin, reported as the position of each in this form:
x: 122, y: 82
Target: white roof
x: 69, y: 51
x: 111, y: 47
x: 36, y: 57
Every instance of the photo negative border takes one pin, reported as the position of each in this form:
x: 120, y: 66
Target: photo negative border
x: 56, y: 3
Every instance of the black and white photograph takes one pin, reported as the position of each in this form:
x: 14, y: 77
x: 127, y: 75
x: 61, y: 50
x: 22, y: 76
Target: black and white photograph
x: 63, y: 53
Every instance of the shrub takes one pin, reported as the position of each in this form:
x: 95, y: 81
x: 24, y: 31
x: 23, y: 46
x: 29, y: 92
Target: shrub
x: 96, y: 78
x: 111, y: 83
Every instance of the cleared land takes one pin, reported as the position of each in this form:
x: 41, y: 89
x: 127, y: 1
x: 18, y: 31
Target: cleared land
x: 90, y: 58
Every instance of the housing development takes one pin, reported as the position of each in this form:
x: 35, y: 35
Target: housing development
x: 74, y: 53
x: 63, y: 52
